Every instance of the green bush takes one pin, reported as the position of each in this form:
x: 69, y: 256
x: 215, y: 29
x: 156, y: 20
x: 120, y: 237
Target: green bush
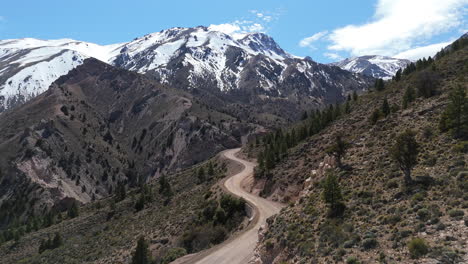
x: 423, y: 214
x: 456, y: 213
x: 417, y: 247
x: 173, y: 254
x: 352, y: 260
x: 369, y: 243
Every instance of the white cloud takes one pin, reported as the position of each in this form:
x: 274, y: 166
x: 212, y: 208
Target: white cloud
x: 420, y: 52
x: 399, y: 25
x: 227, y: 28
x: 307, y: 42
x: 238, y: 29
x: 266, y: 16
x: 333, y: 56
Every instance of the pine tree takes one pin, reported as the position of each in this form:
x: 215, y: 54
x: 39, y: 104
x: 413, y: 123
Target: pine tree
x: 57, y: 242
x: 210, y: 169
x: 338, y: 149
x: 398, y: 75
x: 201, y: 175
x: 405, y: 153
x: 120, y: 193
x: 141, y: 254
x: 337, y: 112
x: 73, y: 211
x: 355, y: 96
x: 379, y: 84
x: 165, y: 187
x: 332, y: 195
x: 347, y: 107
x: 385, y: 108
x: 408, y: 97
x: 456, y: 114
x: 140, y: 203
x: 374, y: 117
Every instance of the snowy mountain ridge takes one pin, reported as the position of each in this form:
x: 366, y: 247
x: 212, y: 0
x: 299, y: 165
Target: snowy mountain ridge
x: 187, y: 58
x: 373, y: 65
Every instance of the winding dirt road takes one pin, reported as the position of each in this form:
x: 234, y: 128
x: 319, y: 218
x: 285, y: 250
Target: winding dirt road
x: 239, y: 249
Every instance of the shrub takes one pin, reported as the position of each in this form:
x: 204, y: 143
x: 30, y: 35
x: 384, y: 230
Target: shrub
x: 392, y: 184
x: 456, y: 213
x: 369, y: 243
x: 352, y: 260
x: 173, y: 254
x: 417, y: 247
x: 423, y: 214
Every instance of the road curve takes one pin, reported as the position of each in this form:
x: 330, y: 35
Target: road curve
x: 237, y: 250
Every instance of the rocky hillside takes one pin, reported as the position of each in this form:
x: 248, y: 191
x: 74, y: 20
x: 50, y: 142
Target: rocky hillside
x: 245, y: 69
x: 380, y: 67
x: 175, y: 221
x: 370, y: 214
x: 97, y: 127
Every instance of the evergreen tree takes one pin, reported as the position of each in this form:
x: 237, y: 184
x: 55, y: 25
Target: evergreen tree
x: 385, y: 108
x: 455, y: 116
x: 405, y: 153
x: 374, y: 117
x: 408, y: 97
x: 120, y: 193
x: 141, y: 254
x: 337, y: 112
x: 73, y: 211
x: 347, y: 107
x: 332, y: 195
x: 379, y: 84
x: 426, y: 83
x: 57, y: 242
x: 201, y: 174
x: 210, y: 169
x: 398, y: 75
x: 355, y: 96
x: 140, y: 203
x: 338, y: 149
x: 165, y: 187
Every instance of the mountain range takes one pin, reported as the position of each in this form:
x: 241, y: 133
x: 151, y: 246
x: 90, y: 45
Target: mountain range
x: 189, y: 58
x: 382, y: 67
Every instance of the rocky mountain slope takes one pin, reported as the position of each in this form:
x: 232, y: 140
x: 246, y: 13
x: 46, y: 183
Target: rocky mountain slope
x: 240, y: 68
x: 375, y: 66
x: 384, y: 220
x: 174, y: 223
x: 99, y: 126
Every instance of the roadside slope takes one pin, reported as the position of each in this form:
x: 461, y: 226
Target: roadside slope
x: 241, y: 248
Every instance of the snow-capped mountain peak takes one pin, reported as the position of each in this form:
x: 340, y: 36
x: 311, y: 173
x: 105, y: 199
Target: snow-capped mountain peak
x: 187, y: 58
x: 373, y: 65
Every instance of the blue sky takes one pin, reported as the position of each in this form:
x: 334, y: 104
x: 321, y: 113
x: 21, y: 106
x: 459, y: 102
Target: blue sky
x: 324, y: 30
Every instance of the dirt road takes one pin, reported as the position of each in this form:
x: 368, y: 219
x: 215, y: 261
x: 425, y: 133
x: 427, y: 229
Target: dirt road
x: 237, y: 250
